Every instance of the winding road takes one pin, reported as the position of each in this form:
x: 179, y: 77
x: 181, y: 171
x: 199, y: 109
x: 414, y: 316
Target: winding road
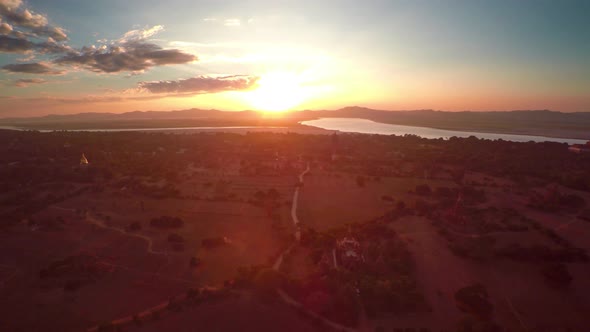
x: 149, y: 240
x: 282, y: 294
x: 277, y: 265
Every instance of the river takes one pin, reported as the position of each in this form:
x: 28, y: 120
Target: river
x: 352, y: 125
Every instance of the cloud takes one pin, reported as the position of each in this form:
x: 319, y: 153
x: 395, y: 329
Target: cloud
x: 131, y: 53
x: 140, y: 34
x: 14, y: 12
x: 5, y: 28
x: 15, y: 45
x: 201, y: 84
x: 25, y: 82
x: 228, y: 22
x: 133, y: 56
x: 232, y: 22
x: 18, y: 44
x: 90, y: 99
x: 32, y: 68
x: 52, y: 47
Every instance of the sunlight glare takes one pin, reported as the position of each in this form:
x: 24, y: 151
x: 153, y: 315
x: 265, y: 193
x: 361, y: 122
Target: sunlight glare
x: 278, y: 92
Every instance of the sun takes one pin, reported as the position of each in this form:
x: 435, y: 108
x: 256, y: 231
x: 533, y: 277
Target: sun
x: 278, y: 92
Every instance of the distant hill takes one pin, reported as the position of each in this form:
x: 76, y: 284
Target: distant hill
x: 535, y: 122
x: 192, y: 113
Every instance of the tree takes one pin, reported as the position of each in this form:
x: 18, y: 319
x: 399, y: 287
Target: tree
x: 474, y: 299
x: 134, y: 227
x: 194, y: 262
x: 423, y: 190
x: 360, y: 181
x: 137, y: 320
x: 175, y: 238
x: 273, y: 194
x: 401, y: 205
x: 557, y: 275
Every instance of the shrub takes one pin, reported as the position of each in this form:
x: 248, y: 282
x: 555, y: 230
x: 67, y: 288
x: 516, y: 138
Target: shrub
x: 474, y: 299
x: 175, y: 238
x: 213, y: 242
x: 387, y: 198
x: 557, y: 275
x: 167, y: 222
x: 178, y: 246
x: 423, y: 190
x: 134, y: 227
x: 360, y: 181
x: 72, y: 285
x: 106, y: 327
x: 195, y: 262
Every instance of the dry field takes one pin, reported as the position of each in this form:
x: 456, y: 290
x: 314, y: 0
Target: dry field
x: 521, y: 296
x: 143, y: 269
x: 332, y: 199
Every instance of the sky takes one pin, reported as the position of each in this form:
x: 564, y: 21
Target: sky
x: 73, y: 56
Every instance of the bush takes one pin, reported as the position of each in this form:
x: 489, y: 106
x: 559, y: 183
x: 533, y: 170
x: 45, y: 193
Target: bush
x: 175, y: 238
x: 557, y: 275
x: 474, y: 299
x: 72, y: 285
x: 387, y: 198
x: 444, y: 192
x: 192, y: 293
x: 178, y: 246
x: 360, y: 181
x: 195, y: 262
x: 106, y: 327
x: 213, y: 242
x: 423, y: 190
x: 401, y: 205
x: 167, y: 222
x: 134, y: 227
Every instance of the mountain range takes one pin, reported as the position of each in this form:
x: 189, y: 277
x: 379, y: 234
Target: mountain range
x: 535, y: 122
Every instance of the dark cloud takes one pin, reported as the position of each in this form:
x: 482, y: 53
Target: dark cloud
x: 25, y: 82
x: 132, y: 56
x: 201, y: 84
x: 52, y: 47
x: 32, y: 68
x: 14, y: 12
x: 19, y: 44
x: 15, y: 45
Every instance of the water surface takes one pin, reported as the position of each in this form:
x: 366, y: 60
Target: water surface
x: 353, y: 125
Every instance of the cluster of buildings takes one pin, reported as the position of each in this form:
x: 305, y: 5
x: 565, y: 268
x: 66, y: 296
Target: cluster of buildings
x: 347, y: 253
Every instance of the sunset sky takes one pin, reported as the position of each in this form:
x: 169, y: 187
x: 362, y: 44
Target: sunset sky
x: 72, y: 56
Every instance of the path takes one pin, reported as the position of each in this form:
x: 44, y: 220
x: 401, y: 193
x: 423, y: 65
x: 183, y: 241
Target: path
x: 284, y: 296
x: 276, y: 266
x: 149, y: 240
x: 101, y: 224
x: 296, y: 203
